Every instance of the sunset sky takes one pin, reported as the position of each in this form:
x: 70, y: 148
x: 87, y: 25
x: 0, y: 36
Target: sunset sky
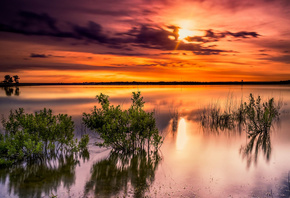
x: 145, y: 40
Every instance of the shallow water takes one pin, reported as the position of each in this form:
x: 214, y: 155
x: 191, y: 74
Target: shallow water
x: 194, y: 161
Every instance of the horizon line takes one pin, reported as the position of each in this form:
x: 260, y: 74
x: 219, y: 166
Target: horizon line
x: 154, y: 83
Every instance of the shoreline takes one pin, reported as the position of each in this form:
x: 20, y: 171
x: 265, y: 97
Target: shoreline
x: 149, y: 83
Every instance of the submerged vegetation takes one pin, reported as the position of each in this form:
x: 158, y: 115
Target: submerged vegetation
x: 259, y: 119
x: 31, y: 136
x: 260, y: 116
x: 124, y: 130
x: 256, y: 116
x: 41, y: 146
x: 34, y: 135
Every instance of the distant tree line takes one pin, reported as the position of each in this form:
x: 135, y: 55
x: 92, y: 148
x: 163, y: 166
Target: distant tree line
x: 11, y: 79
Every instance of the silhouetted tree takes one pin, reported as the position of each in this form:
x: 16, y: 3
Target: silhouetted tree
x: 9, y: 79
x: 6, y: 78
x: 16, y: 79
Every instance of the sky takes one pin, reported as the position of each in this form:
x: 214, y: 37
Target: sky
x: 145, y: 40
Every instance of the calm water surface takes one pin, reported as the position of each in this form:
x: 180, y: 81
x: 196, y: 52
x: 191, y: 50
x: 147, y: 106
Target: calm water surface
x: 194, y: 161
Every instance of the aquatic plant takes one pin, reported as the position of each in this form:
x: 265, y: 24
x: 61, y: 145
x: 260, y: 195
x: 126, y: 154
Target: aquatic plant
x: 259, y: 118
x: 256, y: 116
x: 32, y: 135
x: 260, y: 115
x: 215, y: 118
x: 124, y: 130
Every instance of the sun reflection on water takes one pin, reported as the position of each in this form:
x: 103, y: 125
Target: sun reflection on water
x: 181, y: 135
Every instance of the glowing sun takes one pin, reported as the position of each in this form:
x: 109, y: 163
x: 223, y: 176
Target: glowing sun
x: 185, y: 29
x: 183, y: 33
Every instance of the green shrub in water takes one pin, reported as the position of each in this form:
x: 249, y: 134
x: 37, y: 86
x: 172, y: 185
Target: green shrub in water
x: 31, y: 135
x: 124, y: 130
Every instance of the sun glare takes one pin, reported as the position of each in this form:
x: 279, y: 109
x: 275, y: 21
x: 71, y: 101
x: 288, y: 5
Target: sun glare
x: 185, y: 29
x: 183, y: 33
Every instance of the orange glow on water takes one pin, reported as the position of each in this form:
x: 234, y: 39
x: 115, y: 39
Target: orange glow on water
x: 181, y: 135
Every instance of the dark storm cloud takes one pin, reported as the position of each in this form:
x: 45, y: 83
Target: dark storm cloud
x: 273, y: 44
x: 196, y: 39
x: 143, y: 36
x: 60, y: 67
x: 126, y: 54
x: 240, y: 5
x: 92, y: 31
x: 242, y: 34
x: 35, y: 55
x: 31, y: 23
x: 208, y: 52
x: 156, y: 38
x: 159, y: 38
x: 107, y: 12
x: 283, y: 59
x: 31, y: 19
x: 32, y: 55
x: 71, y: 67
x: 211, y: 36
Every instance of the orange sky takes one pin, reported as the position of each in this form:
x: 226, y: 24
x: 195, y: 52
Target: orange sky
x: 164, y: 40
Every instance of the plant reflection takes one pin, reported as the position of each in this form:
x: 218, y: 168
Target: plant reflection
x: 9, y: 91
x: 123, y: 173
x: 41, y: 176
x: 175, y: 118
x: 258, y: 141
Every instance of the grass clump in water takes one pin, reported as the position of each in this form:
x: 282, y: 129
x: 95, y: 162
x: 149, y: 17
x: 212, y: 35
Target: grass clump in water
x: 259, y: 119
x: 255, y: 115
x: 260, y: 116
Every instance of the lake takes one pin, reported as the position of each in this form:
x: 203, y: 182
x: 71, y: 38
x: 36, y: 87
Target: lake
x: 195, y: 160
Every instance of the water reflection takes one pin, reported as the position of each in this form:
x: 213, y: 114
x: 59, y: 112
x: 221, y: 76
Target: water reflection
x: 125, y: 174
x: 181, y: 135
x: 9, y: 91
x: 175, y: 118
x: 259, y: 142
x: 206, y: 165
x: 41, y: 176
